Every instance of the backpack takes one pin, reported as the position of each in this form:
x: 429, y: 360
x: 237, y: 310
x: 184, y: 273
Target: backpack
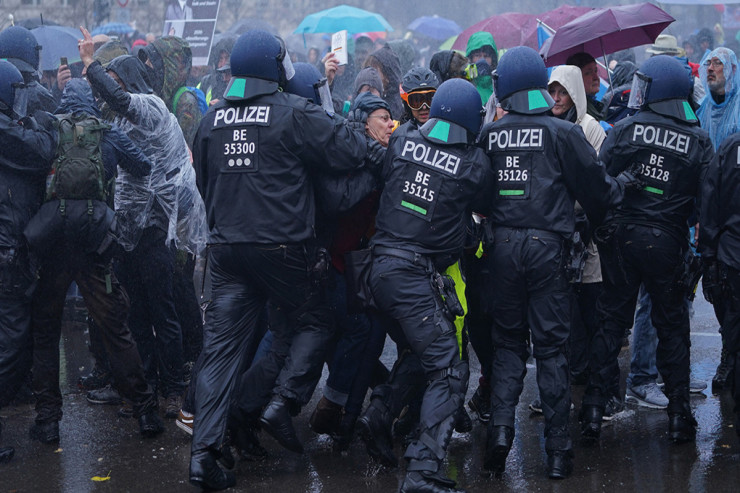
x: 199, y: 96
x: 78, y: 172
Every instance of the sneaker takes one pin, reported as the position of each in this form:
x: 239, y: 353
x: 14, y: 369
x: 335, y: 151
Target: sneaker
x: 96, y: 379
x: 172, y: 407
x: 185, y: 421
x: 695, y: 386
x: 614, y: 406
x: 106, y: 395
x: 647, y: 395
x: 536, y: 406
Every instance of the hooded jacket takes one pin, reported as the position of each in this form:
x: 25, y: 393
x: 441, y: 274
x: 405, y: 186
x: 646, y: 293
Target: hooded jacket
x: 213, y: 84
x: 167, y: 198
x: 569, y: 76
x: 172, y: 60
x: 386, y: 62
x: 483, y: 82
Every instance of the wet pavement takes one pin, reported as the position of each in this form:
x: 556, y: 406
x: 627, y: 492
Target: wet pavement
x: 633, y: 454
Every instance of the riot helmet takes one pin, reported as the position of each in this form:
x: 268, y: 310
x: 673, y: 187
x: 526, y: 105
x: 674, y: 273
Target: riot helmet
x: 260, y: 65
x: 520, y: 82
x: 308, y: 83
x: 19, y: 46
x: 10, y: 79
x: 456, y: 113
x: 662, y: 85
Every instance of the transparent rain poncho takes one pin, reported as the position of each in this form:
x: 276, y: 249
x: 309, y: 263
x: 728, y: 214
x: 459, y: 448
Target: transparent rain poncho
x: 721, y: 120
x: 168, y: 197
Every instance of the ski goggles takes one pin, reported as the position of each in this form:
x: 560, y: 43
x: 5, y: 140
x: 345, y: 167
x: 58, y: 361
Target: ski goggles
x: 417, y: 99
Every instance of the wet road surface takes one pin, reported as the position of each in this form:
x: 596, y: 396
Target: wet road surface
x: 633, y: 454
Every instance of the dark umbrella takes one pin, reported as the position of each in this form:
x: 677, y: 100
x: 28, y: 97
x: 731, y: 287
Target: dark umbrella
x: 556, y: 18
x: 509, y: 30
x: 435, y: 27
x: 35, y: 22
x: 57, y: 42
x: 605, y: 31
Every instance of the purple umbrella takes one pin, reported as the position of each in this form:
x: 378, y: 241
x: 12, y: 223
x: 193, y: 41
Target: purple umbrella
x: 604, y: 31
x: 435, y: 27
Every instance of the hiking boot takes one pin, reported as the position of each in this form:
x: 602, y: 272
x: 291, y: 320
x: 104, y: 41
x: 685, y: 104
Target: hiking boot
x: 185, y: 421
x: 106, y: 395
x: 374, y: 428
x: 681, y: 428
x: 278, y: 423
x: 646, y: 395
x: 723, y: 376
x: 173, y: 403
x: 614, y: 406
x: 480, y: 403
x: 326, y: 417
x: 96, y: 379
x: 498, y: 445
x: 423, y: 482
x: 559, y: 464
x: 46, y: 432
x: 150, y: 425
x: 125, y: 411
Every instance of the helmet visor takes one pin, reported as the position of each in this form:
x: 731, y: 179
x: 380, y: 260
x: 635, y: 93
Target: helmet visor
x: 20, y: 103
x: 638, y: 93
x: 284, y: 59
x: 322, y: 89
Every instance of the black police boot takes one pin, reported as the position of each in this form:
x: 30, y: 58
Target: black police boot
x: 681, y: 427
x: 150, y: 425
x: 723, y: 376
x: 326, y: 417
x: 424, y: 482
x: 498, y: 444
x: 247, y: 443
x: 463, y: 423
x: 96, y: 379
x: 590, y: 418
x: 480, y: 403
x: 345, y: 432
x: 278, y: 423
x: 559, y: 464
x: 45, y: 432
x: 374, y: 428
x: 205, y: 472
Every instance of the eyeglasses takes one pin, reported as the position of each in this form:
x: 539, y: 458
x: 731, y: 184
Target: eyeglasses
x: 385, y: 118
x: 417, y: 100
x: 714, y: 63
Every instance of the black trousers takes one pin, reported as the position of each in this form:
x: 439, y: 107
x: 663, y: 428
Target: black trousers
x: 403, y: 292
x: 16, y: 284
x: 730, y: 305
x: 108, y: 304
x: 244, y: 278
x: 631, y: 256
x: 531, y: 296
x: 147, y: 274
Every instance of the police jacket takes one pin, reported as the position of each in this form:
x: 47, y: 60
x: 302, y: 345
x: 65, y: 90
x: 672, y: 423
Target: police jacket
x: 253, y: 159
x: 719, y: 216
x: 670, y: 154
x: 541, y: 166
x: 430, y: 188
x: 26, y: 151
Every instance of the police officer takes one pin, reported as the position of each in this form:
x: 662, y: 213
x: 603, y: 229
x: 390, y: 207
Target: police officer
x: 719, y: 244
x: 432, y: 177
x: 19, y: 46
x: 26, y: 150
x: 541, y: 165
x: 644, y: 240
x: 253, y: 154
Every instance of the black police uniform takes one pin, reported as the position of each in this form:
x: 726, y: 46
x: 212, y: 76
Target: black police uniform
x: 644, y: 241
x: 541, y: 165
x: 252, y: 159
x: 430, y: 187
x: 719, y: 244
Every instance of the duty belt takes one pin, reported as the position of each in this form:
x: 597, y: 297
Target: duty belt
x: 413, y: 257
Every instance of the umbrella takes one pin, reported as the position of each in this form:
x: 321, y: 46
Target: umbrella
x: 509, y: 30
x: 342, y: 17
x: 113, y: 28
x: 435, y: 27
x: 56, y: 42
x: 35, y: 22
x: 556, y: 18
x: 604, y: 31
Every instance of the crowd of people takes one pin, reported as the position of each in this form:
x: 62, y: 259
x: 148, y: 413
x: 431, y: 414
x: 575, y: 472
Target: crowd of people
x: 474, y: 201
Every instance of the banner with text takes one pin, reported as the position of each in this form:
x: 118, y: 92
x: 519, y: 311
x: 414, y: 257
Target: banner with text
x: 195, y: 22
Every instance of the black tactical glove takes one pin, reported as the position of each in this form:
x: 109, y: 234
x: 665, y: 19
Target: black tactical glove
x: 711, y: 283
x: 356, y: 120
x: 631, y: 178
x: 375, y: 156
x: 44, y: 119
